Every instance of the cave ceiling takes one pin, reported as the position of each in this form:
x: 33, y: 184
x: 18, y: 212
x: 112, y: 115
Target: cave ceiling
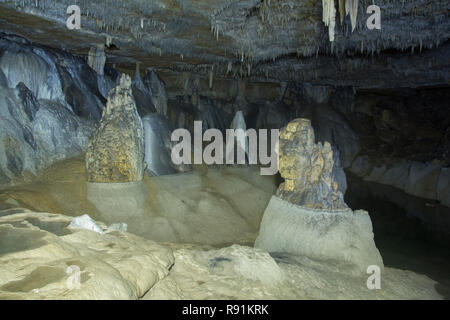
x: 268, y: 40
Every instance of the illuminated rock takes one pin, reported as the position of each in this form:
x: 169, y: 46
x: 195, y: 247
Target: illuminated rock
x: 115, y: 152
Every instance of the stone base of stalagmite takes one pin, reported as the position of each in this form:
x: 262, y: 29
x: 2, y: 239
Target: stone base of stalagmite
x: 344, y: 238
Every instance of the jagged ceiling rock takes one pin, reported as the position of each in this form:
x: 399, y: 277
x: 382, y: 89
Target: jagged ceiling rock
x: 276, y: 39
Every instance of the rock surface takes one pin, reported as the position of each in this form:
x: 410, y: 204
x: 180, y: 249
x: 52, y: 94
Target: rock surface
x: 344, y: 237
x: 97, y: 59
x: 42, y: 258
x: 158, y: 146
x: 48, y: 102
x: 262, y: 39
x: 35, y: 133
x: 115, y: 152
x: 429, y: 181
x: 307, y: 168
x: 157, y: 88
x: 240, y: 272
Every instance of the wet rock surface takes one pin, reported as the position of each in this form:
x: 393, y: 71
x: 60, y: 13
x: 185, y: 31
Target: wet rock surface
x: 423, y: 180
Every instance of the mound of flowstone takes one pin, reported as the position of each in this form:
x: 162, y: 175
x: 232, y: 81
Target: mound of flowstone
x: 41, y: 257
x: 344, y: 237
x: 308, y: 215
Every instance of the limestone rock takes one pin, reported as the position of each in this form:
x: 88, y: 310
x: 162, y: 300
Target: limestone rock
x: 345, y: 236
x: 307, y: 169
x: 142, y: 95
x: 158, y: 146
x: 239, y: 272
x: 115, y: 152
x: 443, y: 187
x: 97, y: 59
x: 41, y: 258
x: 424, y: 180
x: 360, y: 166
x: 157, y: 88
x: 241, y: 141
x: 36, y: 133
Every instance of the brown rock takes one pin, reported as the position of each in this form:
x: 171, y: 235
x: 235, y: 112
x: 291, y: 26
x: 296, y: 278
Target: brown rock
x: 115, y: 152
x: 307, y: 168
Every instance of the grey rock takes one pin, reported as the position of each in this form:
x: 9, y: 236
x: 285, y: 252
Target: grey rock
x: 142, y: 95
x: 158, y: 146
x: 443, y: 187
x: 344, y: 237
x: 157, y: 88
x: 361, y: 166
x: 422, y: 180
x: 30, y: 103
x: 3, y: 80
x: 97, y: 59
x: 35, y: 133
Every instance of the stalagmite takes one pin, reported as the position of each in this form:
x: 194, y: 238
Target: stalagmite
x: 115, y: 152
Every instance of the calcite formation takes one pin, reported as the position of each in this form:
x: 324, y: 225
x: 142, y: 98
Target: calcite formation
x: 307, y: 168
x: 43, y: 257
x: 115, y: 152
x: 97, y: 59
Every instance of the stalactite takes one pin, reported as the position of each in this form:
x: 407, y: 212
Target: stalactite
x: 108, y: 40
x: 351, y: 8
x: 342, y: 10
x: 329, y: 17
x: 211, y: 76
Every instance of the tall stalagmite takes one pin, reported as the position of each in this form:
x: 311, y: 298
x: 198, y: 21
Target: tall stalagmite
x: 116, y: 150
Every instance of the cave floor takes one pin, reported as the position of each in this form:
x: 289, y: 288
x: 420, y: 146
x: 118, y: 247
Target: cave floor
x: 213, y: 206
x: 210, y: 218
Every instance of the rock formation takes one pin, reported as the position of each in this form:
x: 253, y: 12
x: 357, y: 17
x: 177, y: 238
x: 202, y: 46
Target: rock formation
x: 115, y: 152
x: 97, y: 59
x: 424, y: 180
x: 158, y: 91
x: 308, y: 215
x: 36, y: 133
x: 142, y: 95
x: 241, y: 140
x: 41, y: 257
x: 307, y: 168
x: 158, y: 146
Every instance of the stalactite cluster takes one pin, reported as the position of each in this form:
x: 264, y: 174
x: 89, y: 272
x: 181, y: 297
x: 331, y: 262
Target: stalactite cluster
x: 346, y: 7
x: 329, y: 17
